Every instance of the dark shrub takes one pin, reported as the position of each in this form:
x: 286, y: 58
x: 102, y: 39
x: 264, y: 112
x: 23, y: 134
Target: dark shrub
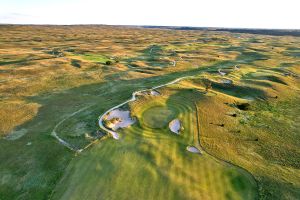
x: 243, y: 106
x: 208, y: 84
x: 75, y: 63
x: 70, y: 50
x: 108, y: 62
x: 56, y: 52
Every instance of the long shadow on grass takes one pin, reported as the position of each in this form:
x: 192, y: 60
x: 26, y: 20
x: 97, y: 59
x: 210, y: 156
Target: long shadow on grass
x: 149, y: 152
x: 239, y: 91
x: 194, y: 96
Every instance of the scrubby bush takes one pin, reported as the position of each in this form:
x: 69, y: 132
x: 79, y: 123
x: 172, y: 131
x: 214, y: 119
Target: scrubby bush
x: 243, y: 106
x: 76, y: 63
x: 108, y: 62
x: 208, y: 85
x: 56, y: 52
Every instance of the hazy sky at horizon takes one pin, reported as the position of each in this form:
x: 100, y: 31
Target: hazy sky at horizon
x: 202, y: 13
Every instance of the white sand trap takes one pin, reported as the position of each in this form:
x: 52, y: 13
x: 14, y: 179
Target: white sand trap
x: 122, y: 119
x: 221, y: 73
x: 115, y: 135
x: 14, y: 135
x: 193, y: 149
x: 154, y: 93
x: 148, y: 92
x: 227, y: 81
x: 175, y: 126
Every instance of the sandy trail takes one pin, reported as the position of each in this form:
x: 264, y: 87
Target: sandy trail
x: 151, y: 50
x: 63, y: 142
x: 154, y: 93
x: 14, y: 135
x: 174, y: 63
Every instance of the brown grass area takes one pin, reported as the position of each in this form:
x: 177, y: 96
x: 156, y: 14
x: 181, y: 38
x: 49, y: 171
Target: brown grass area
x: 16, y: 113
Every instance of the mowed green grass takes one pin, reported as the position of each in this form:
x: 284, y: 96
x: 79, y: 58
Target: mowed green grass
x: 157, y: 116
x: 96, y: 58
x: 149, y: 163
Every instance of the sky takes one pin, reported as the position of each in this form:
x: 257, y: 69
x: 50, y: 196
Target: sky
x: 283, y: 14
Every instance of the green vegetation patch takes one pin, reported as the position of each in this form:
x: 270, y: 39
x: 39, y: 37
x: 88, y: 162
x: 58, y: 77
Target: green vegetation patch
x: 96, y: 58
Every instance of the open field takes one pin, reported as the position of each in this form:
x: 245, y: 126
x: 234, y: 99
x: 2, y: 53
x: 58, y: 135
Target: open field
x: 238, y: 104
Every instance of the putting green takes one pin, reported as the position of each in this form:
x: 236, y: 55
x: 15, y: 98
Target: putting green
x: 158, y: 116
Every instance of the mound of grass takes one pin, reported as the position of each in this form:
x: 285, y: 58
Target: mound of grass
x: 158, y: 116
x: 271, y: 78
x: 239, y: 91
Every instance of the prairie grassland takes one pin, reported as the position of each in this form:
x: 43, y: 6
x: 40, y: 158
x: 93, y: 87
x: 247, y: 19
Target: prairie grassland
x: 47, y: 73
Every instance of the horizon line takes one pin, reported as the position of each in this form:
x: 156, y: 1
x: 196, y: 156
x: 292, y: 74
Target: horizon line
x: 148, y: 26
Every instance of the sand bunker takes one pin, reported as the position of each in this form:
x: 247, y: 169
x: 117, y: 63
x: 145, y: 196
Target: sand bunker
x: 154, y: 93
x: 14, y: 135
x: 175, y: 126
x: 193, y: 149
x: 148, y: 92
x: 221, y: 73
x: 227, y: 81
x: 118, y: 119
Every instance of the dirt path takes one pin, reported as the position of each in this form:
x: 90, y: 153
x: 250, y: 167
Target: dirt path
x: 63, y: 142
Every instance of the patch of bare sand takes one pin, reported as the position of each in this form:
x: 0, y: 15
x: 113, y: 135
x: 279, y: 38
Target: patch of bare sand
x: 175, y: 126
x: 193, y: 149
x: 119, y: 119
